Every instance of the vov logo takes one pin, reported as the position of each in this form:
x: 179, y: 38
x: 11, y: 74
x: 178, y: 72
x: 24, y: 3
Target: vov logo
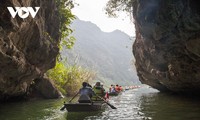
x: 23, y: 12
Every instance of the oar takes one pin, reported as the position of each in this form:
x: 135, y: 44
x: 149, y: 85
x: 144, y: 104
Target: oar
x: 69, y: 101
x: 113, y: 107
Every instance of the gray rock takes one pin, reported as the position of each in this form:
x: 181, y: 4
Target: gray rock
x: 167, y: 46
x: 45, y: 87
x: 28, y: 47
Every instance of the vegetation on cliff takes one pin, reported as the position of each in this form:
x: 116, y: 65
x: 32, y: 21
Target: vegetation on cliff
x: 66, y: 17
x: 68, y: 78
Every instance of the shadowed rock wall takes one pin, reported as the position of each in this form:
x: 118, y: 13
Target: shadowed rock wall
x: 167, y: 46
x: 28, y: 47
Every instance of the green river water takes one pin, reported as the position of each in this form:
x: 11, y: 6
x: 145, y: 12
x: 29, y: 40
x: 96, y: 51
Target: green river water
x: 139, y: 104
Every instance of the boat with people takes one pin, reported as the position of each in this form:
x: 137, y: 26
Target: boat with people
x: 113, y: 93
x: 115, y: 90
x: 91, y: 99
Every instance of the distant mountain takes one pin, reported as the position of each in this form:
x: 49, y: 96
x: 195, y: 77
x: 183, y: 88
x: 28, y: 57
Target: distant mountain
x: 110, y: 54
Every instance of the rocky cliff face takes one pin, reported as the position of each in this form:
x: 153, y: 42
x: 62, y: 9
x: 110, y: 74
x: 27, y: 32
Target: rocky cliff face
x: 167, y: 47
x: 28, y: 47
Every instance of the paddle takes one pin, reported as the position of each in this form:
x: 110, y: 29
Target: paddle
x: 113, y: 107
x: 69, y: 101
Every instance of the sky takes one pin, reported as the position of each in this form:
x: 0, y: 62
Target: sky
x: 93, y: 10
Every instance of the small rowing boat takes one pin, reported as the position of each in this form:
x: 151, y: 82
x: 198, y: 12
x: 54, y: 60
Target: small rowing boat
x: 113, y: 93
x: 84, y: 107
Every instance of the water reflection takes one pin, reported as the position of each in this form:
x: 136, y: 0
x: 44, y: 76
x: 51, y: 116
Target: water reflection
x: 128, y: 106
x: 138, y: 104
x: 158, y: 106
x: 148, y: 104
x: 81, y: 115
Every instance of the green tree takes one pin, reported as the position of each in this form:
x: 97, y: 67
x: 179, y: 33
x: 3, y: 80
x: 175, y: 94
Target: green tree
x: 114, y: 6
x: 69, y: 78
x: 66, y: 17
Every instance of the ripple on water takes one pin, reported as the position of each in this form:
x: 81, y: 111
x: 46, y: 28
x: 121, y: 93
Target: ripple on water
x: 141, y: 104
x: 127, y: 108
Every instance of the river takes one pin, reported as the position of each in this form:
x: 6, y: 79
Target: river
x: 143, y: 103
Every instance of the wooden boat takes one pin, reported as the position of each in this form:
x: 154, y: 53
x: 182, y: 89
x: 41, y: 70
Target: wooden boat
x: 113, y: 93
x: 126, y: 89
x: 84, y: 107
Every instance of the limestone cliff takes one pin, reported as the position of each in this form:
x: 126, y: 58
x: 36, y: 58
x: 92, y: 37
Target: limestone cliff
x: 28, y: 47
x: 167, y: 46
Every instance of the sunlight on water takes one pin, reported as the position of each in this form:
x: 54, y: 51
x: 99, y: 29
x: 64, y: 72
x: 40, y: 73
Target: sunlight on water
x: 128, y: 107
x: 143, y: 103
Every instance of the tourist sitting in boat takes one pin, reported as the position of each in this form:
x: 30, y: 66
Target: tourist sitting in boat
x: 102, y: 87
x: 121, y: 88
x: 106, y: 97
x: 117, y: 88
x: 112, y: 89
x: 99, y: 92
x: 86, y: 93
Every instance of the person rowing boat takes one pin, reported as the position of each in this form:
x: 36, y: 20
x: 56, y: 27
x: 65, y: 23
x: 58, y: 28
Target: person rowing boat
x: 86, y: 93
x: 85, y: 102
x: 99, y: 91
x: 112, y: 89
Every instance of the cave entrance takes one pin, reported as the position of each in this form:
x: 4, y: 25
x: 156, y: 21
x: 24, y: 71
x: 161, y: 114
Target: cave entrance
x: 109, y: 39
